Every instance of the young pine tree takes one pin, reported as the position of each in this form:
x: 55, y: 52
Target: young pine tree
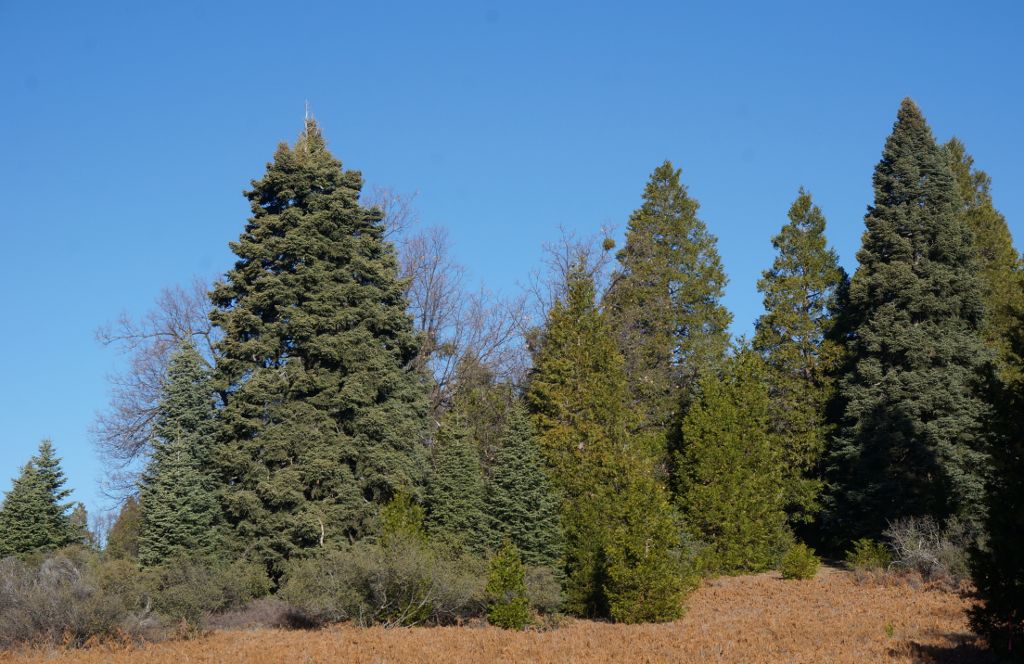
x: 522, y: 504
x: 912, y: 435
x: 34, y: 515
x: 177, y: 494
x: 324, y: 415
x: 665, y: 303
x: 123, y: 537
x: 734, y: 477
x: 506, y: 584
x: 456, y: 502
x: 1002, y: 277
x: 793, y: 335
x: 618, y: 544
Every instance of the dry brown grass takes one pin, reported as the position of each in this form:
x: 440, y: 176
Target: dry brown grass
x: 832, y: 618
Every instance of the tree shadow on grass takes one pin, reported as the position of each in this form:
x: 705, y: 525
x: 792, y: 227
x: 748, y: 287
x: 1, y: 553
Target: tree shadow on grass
x: 966, y: 649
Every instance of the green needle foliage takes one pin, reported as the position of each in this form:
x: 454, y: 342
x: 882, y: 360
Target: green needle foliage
x: 324, y: 415
x: 522, y: 504
x: 506, y: 584
x: 800, y: 298
x: 734, y: 479
x: 180, y: 510
x: 123, y: 537
x: 912, y: 435
x: 665, y: 302
x: 34, y: 515
x: 1002, y: 277
x: 618, y: 540
x: 457, y: 515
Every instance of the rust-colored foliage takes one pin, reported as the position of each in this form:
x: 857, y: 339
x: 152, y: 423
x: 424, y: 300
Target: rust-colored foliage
x: 832, y: 618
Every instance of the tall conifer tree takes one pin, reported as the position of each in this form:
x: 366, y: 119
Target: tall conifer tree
x: 456, y: 504
x: 523, y: 506
x: 324, y: 418
x: 912, y: 434
x: 180, y: 510
x: 665, y: 302
x: 34, y: 515
x: 793, y: 335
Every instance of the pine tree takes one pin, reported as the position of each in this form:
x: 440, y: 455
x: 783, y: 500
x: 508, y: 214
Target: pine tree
x: 78, y: 521
x: 665, y: 302
x: 613, y: 519
x: 912, y: 435
x: 800, y: 299
x: 456, y: 502
x: 506, y: 584
x: 34, y: 516
x: 123, y: 537
x: 1002, y: 276
x: 998, y: 567
x: 324, y: 414
x: 522, y: 505
x: 180, y: 510
x: 733, y: 486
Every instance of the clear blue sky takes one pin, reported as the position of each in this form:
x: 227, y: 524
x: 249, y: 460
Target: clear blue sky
x: 130, y: 129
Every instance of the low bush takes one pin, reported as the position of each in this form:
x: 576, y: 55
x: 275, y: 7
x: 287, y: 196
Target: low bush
x: 543, y: 589
x: 188, y: 588
x: 868, y: 555
x: 506, y: 587
x: 800, y: 562
x: 938, y: 553
x: 404, y: 583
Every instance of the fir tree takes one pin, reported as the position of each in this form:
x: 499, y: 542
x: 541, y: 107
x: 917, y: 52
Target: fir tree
x: 34, y: 516
x: 1002, y: 278
x: 180, y: 511
x: 456, y: 504
x: 733, y: 486
x: 911, y: 439
x: 522, y: 505
x: 506, y: 585
x: 793, y: 335
x: 579, y: 400
x: 123, y: 537
x: 665, y: 302
x: 324, y: 414
x: 78, y: 521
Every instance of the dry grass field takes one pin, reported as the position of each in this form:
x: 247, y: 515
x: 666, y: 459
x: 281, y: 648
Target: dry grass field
x: 761, y: 618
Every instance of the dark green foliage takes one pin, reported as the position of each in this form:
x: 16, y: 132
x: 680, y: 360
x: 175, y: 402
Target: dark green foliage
x: 1002, y: 276
x: 998, y: 568
x: 800, y: 562
x: 186, y: 587
x: 180, y: 511
x: 621, y: 545
x: 324, y: 414
x: 123, y: 537
x: 509, y: 607
x: 665, y: 302
x: 733, y: 490
x: 34, y: 515
x: 912, y: 434
x: 456, y: 504
x: 79, y: 524
x: 800, y: 293
x: 402, y: 519
x: 522, y: 505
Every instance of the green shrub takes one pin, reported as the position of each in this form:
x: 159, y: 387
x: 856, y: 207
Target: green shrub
x: 187, y: 588
x: 404, y: 583
x: 867, y: 554
x: 799, y: 562
x: 506, y: 586
x: 544, y: 589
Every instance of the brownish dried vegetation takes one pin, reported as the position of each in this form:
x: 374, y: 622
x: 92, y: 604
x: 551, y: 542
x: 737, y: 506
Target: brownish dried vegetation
x: 831, y: 618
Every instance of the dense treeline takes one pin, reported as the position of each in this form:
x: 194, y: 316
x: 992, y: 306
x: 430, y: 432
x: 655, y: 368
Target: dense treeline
x: 356, y: 427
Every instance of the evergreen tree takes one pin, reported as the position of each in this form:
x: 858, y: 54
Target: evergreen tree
x: 522, y: 505
x: 1002, y: 278
x: 665, y: 303
x: 180, y: 511
x: 78, y: 521
x: 324, y: 413
x: 793, y: 335
x: 733, y: 486
x: 456, y: 491
x: 912, y: 435
x: 34, y: 515
x: 506, y: 584
x: 123, y: 537
x: 613, y: 519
